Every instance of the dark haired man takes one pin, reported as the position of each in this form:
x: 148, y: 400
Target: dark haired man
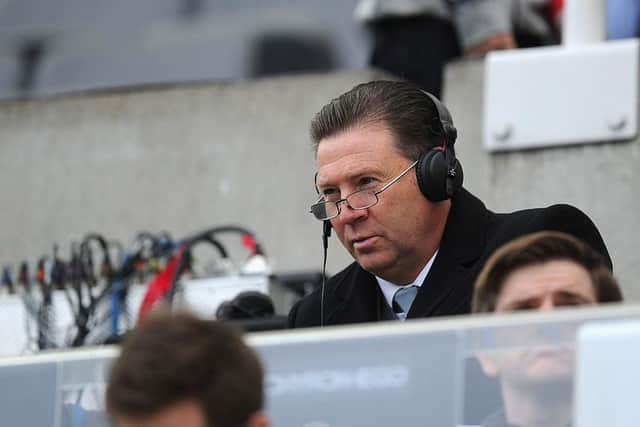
x: 541, y: 271
x: 181, y: 371
x: 390, y: 185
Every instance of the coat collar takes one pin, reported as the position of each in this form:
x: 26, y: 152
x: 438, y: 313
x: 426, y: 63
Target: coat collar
x: 356, y: 298
x: 448, y: 286
x: 464, y: 237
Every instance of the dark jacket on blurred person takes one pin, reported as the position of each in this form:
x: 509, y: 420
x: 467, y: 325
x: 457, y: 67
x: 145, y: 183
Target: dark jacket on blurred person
x: 473, y: 20
x: 414, y: 39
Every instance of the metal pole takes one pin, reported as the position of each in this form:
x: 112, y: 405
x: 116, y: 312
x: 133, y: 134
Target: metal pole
x: 583, y: 22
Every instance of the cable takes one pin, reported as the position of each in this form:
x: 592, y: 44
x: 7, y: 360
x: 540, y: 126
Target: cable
x: 324, y: 270
x: 45, y: 314
x: 248, y: 240
x: 326, y: 233
x: 7, y: 281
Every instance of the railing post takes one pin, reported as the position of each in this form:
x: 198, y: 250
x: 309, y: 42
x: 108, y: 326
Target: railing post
x: 583, y: 22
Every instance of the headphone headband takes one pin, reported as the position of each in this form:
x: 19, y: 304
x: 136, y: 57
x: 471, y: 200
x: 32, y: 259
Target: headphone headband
x: 443, y: 120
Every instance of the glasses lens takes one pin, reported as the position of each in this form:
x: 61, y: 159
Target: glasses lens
x: 324, y: 210
x: 362, y: 199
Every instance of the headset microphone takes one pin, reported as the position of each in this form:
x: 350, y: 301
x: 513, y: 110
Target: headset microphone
x: 326, y: 233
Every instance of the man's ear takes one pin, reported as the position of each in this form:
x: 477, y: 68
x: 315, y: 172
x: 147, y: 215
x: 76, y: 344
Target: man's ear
x: 489, y: 366
x: 259, y: 419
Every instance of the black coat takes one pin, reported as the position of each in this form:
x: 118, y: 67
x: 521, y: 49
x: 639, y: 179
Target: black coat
x: 471, y: 235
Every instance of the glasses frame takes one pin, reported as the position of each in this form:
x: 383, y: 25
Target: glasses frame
x: 346, y: 199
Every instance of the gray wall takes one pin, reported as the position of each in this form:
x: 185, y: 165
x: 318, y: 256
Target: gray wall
x: 190, y: 157
x: 178, y: 159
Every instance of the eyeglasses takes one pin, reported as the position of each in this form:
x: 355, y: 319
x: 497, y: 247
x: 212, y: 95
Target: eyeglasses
x: 358, y: 200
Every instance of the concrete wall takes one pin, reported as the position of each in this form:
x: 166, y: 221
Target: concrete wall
x: 186, y: 158
x: 179, y: 159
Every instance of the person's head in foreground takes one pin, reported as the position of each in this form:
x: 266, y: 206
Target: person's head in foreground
x: 176, y: 370
x: 540, y: 271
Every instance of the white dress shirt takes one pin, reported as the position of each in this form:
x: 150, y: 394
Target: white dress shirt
x: 389, y: 289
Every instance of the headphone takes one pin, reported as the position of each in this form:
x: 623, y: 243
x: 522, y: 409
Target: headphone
x: 438, y: 172
x: 246, y: 305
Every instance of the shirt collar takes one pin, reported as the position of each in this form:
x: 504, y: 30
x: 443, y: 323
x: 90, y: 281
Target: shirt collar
x: 389, y: 288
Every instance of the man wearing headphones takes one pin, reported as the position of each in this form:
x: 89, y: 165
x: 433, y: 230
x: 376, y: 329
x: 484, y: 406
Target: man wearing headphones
x: 390, y: 187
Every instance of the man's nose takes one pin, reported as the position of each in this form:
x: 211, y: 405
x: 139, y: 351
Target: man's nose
x: 547, y: 304
x: 348, y: 214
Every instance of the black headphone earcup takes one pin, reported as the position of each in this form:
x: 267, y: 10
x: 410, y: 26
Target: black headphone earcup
x: 457, y: 179
x: 437, y: 179
x: 431, y: 172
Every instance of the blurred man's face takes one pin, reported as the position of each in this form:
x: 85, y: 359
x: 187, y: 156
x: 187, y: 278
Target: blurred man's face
x: 187, y: 413
x: 540, y: 287
x: 545, y: 287
x: 395, y: 238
